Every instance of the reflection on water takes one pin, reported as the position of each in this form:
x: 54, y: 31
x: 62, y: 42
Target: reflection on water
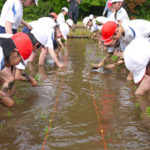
x: 75, y: 125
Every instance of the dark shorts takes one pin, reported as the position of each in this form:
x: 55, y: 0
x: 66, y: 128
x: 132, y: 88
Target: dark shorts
x: 2, y: 30
x: 73, y: 14
x: 55, y: 44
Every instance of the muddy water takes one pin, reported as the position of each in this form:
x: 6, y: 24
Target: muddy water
x: 75, y: 125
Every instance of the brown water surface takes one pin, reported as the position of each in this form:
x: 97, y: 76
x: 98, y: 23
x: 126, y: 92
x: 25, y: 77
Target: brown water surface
x: 75, y: 124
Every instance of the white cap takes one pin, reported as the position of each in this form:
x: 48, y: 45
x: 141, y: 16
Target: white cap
x: 112, y: 1
x: 137, y: 56
x: 70, y: 22
x: 65, y: 9
x: 36, y: 2
x: 85, y: 21
x: 64, y: 29
x: 91, y: 16
x: 102, y: 19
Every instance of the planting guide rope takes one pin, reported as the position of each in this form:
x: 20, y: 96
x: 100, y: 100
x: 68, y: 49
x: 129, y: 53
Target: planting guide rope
x: 96, y: 109
x: 98, y: 116
x: 53, y: 113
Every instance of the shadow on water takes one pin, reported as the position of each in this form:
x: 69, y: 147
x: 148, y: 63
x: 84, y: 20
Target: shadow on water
x: 75, y: 126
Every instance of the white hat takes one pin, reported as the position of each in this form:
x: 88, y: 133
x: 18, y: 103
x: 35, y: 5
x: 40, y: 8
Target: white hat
x: 112, y: 1
x: 70, y: 22
x: 102, y: 19
x: 65, y: 9
x: 137, y: 56
x: 64, y: 29
x: 91, y: 16
x: 36, y: 2
x: 85, y: 21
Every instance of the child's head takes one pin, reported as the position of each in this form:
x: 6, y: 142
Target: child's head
x: 116, y: 4
x: 16, y: 49
x: 11, y: 54
x: 61, y: 31
x: 29, y: 2
x: 64, y: 10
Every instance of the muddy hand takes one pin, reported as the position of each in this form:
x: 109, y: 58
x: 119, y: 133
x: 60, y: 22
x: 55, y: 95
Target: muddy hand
x: 61, y: 65
x: 33, y: 82
x: 94, y: 66
x: 110, y: 66
x: 7, y: 101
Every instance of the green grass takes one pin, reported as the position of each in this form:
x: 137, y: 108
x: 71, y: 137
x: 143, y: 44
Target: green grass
x: 80, y: 31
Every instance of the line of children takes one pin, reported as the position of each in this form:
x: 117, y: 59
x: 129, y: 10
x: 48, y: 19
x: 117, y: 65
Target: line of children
x: 120, y: 35
x: 39, y: 34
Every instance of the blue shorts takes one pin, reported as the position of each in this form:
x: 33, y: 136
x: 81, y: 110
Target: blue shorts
x: 25, y: 29
x: 2, y: 30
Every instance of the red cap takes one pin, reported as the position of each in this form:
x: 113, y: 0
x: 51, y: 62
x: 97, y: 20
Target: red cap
x: 53, y: 14
x: 108, y: 31
x: 23, y: 44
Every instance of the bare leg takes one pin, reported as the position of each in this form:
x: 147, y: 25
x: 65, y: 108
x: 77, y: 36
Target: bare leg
x: 42, y: 56
x: 74, y: 26
x: 32, y: 56
x: 144, y: 86
x: 130, y: 76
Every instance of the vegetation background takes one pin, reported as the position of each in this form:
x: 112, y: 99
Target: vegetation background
x: 135, y: 8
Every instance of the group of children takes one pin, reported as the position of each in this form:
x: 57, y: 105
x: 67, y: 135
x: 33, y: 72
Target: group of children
x: 17, y: 49
x: 126, y: 39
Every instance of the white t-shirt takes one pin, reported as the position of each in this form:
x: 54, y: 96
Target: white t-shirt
x: 12, y: 11
x: 130, y: 34
x: 142, y: 26
x: 122, y: 15
x: 94, y: 26
x: 47, y: 21
x: 22, y: 65
x: 60, y: 18
x: 44, y: 35
x: 137, y: 56
x: 111, y: 15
